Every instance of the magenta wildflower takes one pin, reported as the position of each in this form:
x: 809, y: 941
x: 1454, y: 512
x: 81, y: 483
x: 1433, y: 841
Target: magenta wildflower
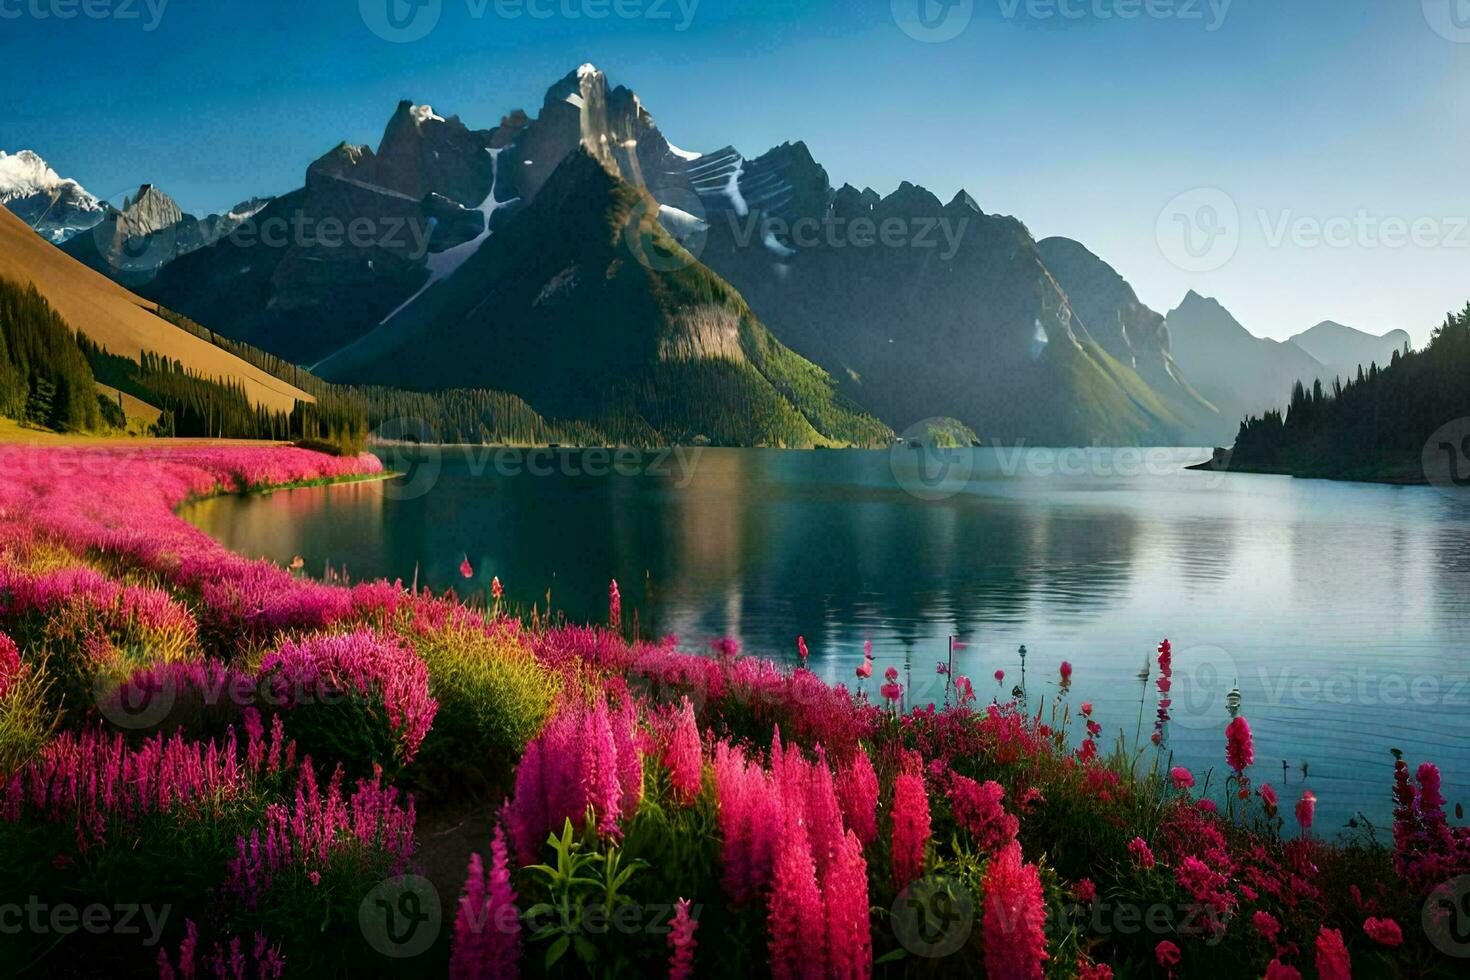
x: 614, y: 606
x: 682, y: 756
x: 12, y: 668
x: 911, y: 828
x: 857, y: 794
x: 487, y: 928
x: 845, y: 892
x: 466, y: 569
x: 1014, y: 919
x: 682, y: 942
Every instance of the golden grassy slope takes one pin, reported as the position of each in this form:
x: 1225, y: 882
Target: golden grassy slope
x: 121, y: 321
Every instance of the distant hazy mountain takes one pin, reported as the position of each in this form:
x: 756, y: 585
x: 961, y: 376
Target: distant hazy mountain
x: 1239, y: 373
x: 1132, y: 333
x: 1343, y: 349
x: 56, y: 207
x: 553, y: 308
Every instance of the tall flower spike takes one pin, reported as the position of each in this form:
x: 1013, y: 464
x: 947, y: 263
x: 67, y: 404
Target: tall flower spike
x: 911, y: 828
x: 681, y: 941
x: 683, y: 757
x: 1014, y: 919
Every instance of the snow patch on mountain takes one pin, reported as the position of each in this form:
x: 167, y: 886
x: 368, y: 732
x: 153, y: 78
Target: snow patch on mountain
x: 442, y: 265
x: 56, y: 207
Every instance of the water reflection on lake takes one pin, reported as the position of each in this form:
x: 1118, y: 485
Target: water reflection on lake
x: 1341, y: 610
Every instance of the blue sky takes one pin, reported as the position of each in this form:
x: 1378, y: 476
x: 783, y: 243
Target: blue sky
x: 1335, y: 131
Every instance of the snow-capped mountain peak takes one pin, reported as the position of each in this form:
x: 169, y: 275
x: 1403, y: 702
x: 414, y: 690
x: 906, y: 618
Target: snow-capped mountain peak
x: 57, y: 207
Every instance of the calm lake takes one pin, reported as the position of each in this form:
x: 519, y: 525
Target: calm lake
x: 1341, y: 611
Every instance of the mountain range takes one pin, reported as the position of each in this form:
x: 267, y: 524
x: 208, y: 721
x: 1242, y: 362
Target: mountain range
x: 578, y: 259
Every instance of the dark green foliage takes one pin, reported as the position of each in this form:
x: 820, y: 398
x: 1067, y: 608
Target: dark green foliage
x: 112, y: 412
x: 43, y: 376
x: 1381, y: 418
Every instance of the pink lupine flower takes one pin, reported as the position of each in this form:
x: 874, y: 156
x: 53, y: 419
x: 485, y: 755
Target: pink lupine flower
x: 576, y: 762
x: 682, y: 756
x: 12, y: 668
x: 866, y: 670
x: 1093, y: 971
x: 1306, y: 809
x: 1066, y: 672
x: 1086, y: 891
x: 630, y: 758
x: 497, y: 591
x: 801, y: 650
x: 466, y: 569
x: 823, y: 813
x: 857, y: 794
x: 1265, y: 923
x: 1167, y: 954
x: 1000, y: 676
x: 845, y: 892
x: 682, y: 942
x: 363, y: 663
x: 487, y: 927
x: 911, y: 828
x: 964, y: 688
x: 1139, y: 848
x: 1240, y: 751
x: 1333, y: 961
x: 795, y: 911
x: 977, y: 808
x: 1277, y: 970
x: 750, y: 822
x: 1181, y: 777
x: 1384, y: 931
x: 1268, y: 797
x: 941, y: 668
x: 227, y: 959
x: 614, y: 606
x: 1014, y: 919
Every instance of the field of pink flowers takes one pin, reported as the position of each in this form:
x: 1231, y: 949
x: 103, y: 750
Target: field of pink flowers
x: 211, y: 766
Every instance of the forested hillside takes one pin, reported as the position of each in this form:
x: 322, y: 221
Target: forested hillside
x: 44, y: 378
x: 1372, y: 427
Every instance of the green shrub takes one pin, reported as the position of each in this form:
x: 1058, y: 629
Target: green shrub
x: 494, y: 697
